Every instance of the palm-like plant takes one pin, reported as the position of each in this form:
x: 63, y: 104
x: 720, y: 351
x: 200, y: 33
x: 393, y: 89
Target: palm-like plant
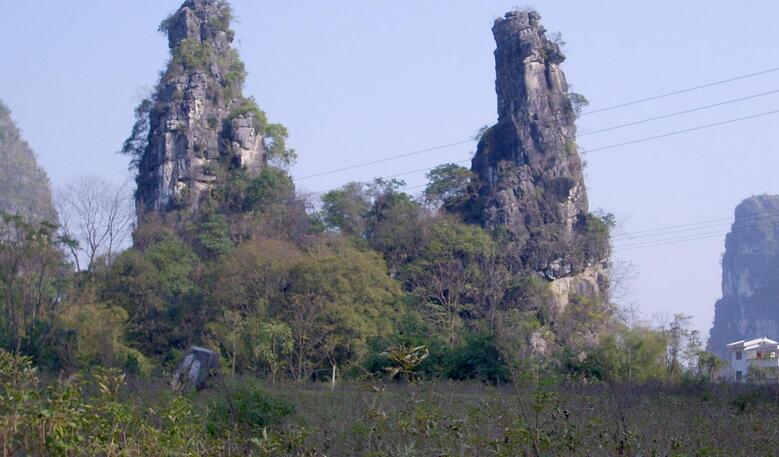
x: 406, y: 360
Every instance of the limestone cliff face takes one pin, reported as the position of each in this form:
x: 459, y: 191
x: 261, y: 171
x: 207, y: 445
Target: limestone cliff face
x: 24, y: 187
x: 198, y: 121
x: 749, y: 307
x: 530, y: 175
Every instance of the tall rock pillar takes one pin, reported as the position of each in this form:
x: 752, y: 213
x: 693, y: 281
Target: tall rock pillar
x: 530, y: 176
x: 749, y: 307
x: 198, y: 121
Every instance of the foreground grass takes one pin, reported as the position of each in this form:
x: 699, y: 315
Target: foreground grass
x: 101, y: 413
x: 449, y: 419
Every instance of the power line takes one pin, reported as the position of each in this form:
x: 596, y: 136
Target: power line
x: 678, y: 132
x: 456, y: 143
x: 755, y: 224
x: 602, y: 148
x: 405, y: 173
x: 678, y: 113
x: 630, y: 236
x: 677, y: 92
x: 669, y: 242
x: 592, y: 132
x: 385, y: 159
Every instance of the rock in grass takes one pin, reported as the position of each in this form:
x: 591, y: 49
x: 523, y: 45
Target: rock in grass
x: 196, y: 369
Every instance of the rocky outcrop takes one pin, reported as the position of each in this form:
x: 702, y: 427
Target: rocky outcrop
x: 196, y: 369
x: 749, y: 307
x: 531, y: 185
x: 24, y: 187
x: 197, y: 123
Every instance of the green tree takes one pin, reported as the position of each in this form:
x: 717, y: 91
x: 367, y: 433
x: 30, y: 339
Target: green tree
x: 395, y: 225
x: 677, y: 334
x: 709, y: 364
x: 346, y: 209
x: 98, y: 338
x: 157, y: 287
x: 447, y: 272
x: 228, y: 333
x: 448, y: 186
x: 212, y: 236
x: 271, y: 343
x: 253, y: 277
x: 33, y: 281
x: 339, y: 297
x: 271, y: 186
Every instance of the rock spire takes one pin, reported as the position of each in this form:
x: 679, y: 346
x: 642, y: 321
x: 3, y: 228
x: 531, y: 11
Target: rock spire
x: 749, y: 307
x: 197, y: 123
x: 530, y: 176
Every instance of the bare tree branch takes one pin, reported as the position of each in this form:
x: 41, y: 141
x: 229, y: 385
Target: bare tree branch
x: 97, y: 218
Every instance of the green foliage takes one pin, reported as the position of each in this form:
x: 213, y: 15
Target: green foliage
x: 221, y: 22
x: 275, y: 143
x: 394, y: 225
x: 213, y: 236
x: 157, y: 289
x: 578, y: 102
x: 346, y: 209
x: 338, y: 299
x: 243, y: 407
x: 236, y: 74
x: 99, y: 338
x: 24, y: 187
x: 448, y: 270
x: 448, y: 186
x: 405, y: 359
x: 631, y: 356
x: 478, y: 358
x: 271, y: 186
x: 193, y: 54
x: 33, y: 282
x: 271, y: 344
x: 248, y: 107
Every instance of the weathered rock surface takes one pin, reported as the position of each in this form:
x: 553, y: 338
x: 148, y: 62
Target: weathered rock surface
x: 24, y: 186
x: 195, y: 369
x: 749, y: 307
x: 530, y: 174
x: 198, y: 120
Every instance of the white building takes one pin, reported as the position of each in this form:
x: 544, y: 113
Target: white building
x: 746, y: 354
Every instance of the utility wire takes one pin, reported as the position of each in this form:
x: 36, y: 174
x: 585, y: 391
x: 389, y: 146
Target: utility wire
x: 591, y: 132
x: 385, y: 159
x: 755, y: 224
x: 678, y: 132
x: 677, y: 92
x: 602, y: 148
x: 678, y: 113
x: 630, y: 236
x: 669, y: 242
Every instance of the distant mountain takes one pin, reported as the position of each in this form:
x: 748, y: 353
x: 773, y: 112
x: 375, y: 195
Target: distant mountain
x: 749, y: 307
x: 24, y: 186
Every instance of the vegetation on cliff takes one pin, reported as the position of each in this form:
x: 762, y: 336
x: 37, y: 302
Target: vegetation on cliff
x: 371, y: 291
x: 24, y: 186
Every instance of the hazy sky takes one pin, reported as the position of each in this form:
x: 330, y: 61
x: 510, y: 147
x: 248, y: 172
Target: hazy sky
x: 361, y: 80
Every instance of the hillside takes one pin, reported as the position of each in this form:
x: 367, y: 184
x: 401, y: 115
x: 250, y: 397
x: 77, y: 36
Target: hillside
x: 24, y: 186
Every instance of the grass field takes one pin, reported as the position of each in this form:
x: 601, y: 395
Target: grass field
x: 457, y: 419
x: 102, y: 413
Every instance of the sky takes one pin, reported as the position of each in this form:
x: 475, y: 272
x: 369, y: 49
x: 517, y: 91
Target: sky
x: 356, y: 81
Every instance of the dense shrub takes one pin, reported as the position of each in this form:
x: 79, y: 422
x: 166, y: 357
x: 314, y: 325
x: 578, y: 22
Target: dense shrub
x: 242, y: 406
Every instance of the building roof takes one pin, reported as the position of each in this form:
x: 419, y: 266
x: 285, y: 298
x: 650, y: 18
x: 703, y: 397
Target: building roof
x: 757, y: 343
